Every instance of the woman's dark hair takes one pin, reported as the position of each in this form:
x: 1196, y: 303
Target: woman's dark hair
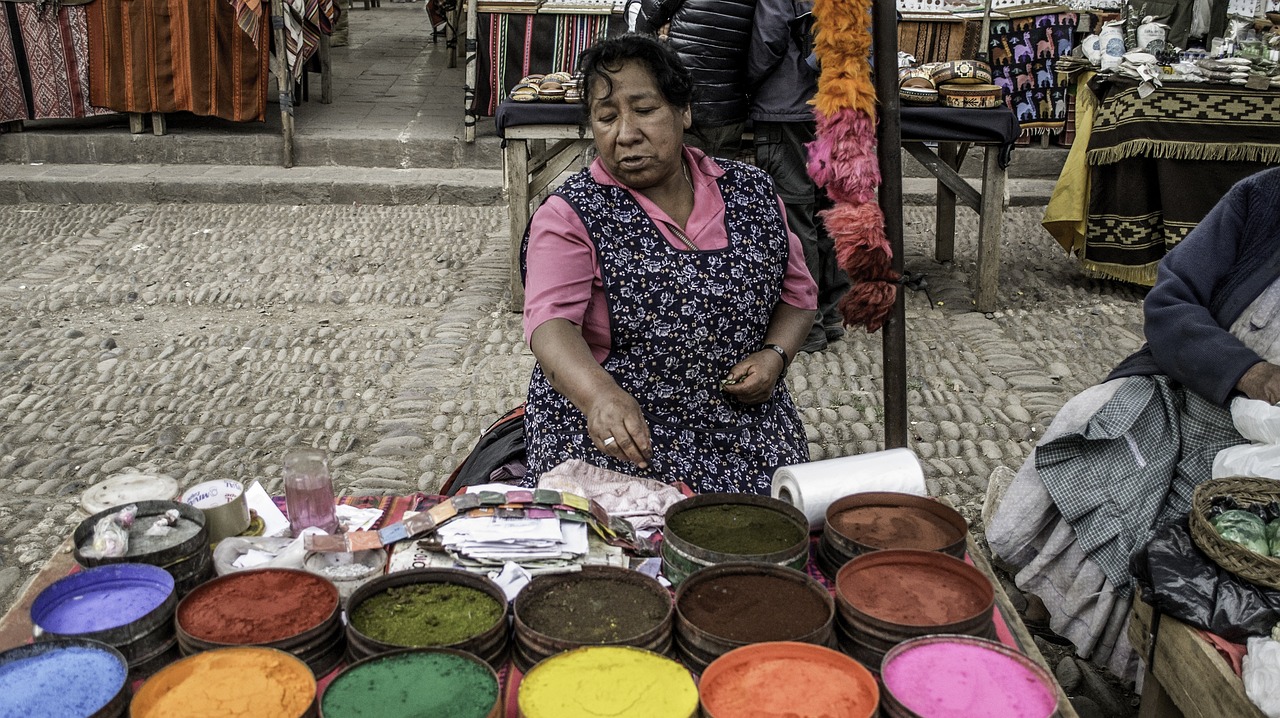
x: 610, y: 54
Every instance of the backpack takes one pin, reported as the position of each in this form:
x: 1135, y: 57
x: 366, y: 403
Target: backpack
x: 502, y: 443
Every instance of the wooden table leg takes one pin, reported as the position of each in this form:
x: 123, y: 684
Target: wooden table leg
x: 990, y: 227
x: 157, y: 124
x: 326, y: 71
x: 944, y: 242
x: 284, y: 83
x: 137, y: 123
x: 515, y: 158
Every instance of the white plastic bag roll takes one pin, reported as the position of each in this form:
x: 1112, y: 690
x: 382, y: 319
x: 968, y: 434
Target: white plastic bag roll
x: 814, y: 486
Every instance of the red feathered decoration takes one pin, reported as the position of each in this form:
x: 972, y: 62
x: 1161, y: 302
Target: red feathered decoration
x: 869, y: 303
x: 862, y: 250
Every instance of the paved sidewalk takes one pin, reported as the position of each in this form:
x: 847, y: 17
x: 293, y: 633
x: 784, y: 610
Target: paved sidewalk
x: 201, y: 340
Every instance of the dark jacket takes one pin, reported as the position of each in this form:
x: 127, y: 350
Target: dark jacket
x: 780, y: 81
x: 1204, y: 284
x: 711, y: 37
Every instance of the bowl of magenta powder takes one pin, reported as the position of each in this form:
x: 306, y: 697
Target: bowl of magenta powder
x: 953, y: 676
x: 291, y: 610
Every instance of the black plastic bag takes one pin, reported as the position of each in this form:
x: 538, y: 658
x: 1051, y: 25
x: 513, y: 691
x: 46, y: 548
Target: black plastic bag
x: 1176, y: 578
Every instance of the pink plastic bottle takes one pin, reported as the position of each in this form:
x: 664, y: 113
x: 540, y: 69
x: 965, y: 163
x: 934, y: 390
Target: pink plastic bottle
x: 308, y: 490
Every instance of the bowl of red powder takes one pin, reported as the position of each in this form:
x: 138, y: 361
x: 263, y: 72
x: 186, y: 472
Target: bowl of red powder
x: 886, y: 597
x: 287, y: 609
x: 879, y: 520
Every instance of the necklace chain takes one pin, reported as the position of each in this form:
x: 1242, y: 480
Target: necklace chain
x: 679, y: 233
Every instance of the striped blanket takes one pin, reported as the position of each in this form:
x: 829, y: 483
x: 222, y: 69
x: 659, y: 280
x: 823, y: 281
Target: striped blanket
x: 192, y: 57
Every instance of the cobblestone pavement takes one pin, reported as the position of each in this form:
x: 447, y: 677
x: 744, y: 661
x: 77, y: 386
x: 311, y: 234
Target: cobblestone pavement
x: 199, y: 341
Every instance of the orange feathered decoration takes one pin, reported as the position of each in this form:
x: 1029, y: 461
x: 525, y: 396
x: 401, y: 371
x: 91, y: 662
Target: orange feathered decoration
x: 843, y: 46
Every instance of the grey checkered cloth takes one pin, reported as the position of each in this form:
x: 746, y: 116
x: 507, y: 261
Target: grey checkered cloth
x: 1133, y: 467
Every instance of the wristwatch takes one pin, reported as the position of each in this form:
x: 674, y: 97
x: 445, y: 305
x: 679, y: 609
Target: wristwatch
x: 786, y: 360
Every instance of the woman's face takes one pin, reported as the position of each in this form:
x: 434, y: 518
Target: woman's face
x: 638, y: 134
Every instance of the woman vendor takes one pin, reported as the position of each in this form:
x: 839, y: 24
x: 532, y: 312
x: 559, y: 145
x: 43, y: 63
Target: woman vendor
x: 665, y: 296
x: 1121, y: 459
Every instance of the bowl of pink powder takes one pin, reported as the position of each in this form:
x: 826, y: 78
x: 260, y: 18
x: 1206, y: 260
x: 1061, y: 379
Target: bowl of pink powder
x: 954, y: 676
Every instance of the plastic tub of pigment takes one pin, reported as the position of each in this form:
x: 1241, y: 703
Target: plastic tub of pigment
x: 886, y: 597
x: 250, y: 681
x: 123, y: 489
x: 414, y: 682
x: 289, y: 609
x: 878, y: 520
x: 66, y: 677
x: 608, y: 682
x: 786, y: 678
x: 599, y: 605
x: 429, y: 607
x: 183, y: 551
x: 128, y: 606
x: 710, y: 529
x: 348, y: 570
x: 964, y: 677
x: 723, y: 607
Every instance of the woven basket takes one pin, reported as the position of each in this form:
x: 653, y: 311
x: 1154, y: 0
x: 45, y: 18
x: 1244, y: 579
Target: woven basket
x: 1251, y: 566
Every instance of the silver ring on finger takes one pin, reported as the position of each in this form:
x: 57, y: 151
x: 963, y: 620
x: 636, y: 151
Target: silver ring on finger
x: 609, y: 441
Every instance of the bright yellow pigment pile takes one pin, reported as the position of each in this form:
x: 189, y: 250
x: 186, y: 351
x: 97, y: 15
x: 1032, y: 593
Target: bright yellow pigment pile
x: 616, y: 682
x: 228, y: 682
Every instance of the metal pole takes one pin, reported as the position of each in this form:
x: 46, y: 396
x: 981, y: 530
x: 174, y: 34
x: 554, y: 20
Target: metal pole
x: 889, y: 150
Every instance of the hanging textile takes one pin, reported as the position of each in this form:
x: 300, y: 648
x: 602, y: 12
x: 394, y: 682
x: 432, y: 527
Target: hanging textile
x: 248, y: 16
x: 843, y: 161
x: 1024, y: 51
x: 304, y: 22
x: 176, y: 56
x: 44, y: 63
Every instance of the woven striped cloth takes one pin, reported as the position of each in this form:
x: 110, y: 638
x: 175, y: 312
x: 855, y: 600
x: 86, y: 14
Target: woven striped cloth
x: 1133, y: 467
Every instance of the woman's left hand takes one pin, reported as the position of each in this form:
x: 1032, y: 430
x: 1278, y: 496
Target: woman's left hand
x: 751, y: 380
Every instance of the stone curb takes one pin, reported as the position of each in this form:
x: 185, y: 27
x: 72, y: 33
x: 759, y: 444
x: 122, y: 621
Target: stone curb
x: 225, y: 184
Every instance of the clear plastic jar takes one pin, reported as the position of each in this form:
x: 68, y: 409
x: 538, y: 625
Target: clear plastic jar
x: 308, y: 490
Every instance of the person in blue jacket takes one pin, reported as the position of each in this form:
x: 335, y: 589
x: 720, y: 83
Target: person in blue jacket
x: 1121, y: 459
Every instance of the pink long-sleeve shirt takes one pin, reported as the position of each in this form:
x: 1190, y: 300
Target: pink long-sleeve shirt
x: 563, y: 279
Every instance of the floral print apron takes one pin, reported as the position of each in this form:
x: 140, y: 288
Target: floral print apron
x: 679, y: 320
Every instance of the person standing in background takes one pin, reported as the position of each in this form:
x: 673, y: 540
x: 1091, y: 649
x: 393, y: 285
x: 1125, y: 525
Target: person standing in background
x: 782, y: 77
x: 711, y: 37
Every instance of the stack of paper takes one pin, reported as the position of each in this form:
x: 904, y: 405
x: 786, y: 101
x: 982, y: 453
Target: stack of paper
x: 497, y: 540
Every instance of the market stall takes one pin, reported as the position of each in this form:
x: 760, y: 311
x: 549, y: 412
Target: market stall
x: 515, y: 38
x: 406, y: 564
x: 1158, y: 163
x: 206, y: 57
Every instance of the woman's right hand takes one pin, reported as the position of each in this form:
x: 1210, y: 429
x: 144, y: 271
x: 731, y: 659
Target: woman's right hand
x: 616, y: 414
x: 1261, y: 382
